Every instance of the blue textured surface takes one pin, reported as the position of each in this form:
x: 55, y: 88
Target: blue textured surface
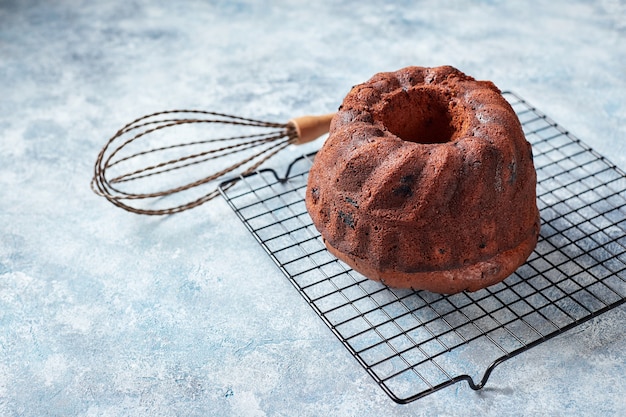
x: 107, y: 313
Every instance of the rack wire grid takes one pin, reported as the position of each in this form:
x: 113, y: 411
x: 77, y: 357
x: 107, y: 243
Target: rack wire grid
x: 414, y: 343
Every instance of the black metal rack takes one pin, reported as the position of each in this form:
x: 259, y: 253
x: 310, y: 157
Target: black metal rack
x: 414, y: 343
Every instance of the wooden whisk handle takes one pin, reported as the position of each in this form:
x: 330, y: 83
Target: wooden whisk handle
x: 310, y: 128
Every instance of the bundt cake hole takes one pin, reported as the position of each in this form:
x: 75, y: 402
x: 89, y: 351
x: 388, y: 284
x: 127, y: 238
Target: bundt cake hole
x: 419, y: 115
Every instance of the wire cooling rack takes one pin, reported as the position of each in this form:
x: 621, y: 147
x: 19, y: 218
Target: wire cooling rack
x: 414, y: 343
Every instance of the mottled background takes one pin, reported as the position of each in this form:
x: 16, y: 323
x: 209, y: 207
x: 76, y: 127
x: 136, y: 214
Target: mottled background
x: 105, y: 313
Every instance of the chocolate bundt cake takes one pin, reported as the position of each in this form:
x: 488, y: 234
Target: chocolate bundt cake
x: 426, y: 181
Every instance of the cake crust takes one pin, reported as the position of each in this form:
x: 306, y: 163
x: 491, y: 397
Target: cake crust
x: 451, y: 281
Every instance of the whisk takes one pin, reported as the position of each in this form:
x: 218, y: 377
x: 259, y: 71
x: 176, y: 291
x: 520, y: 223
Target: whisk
x: 142, y: 167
